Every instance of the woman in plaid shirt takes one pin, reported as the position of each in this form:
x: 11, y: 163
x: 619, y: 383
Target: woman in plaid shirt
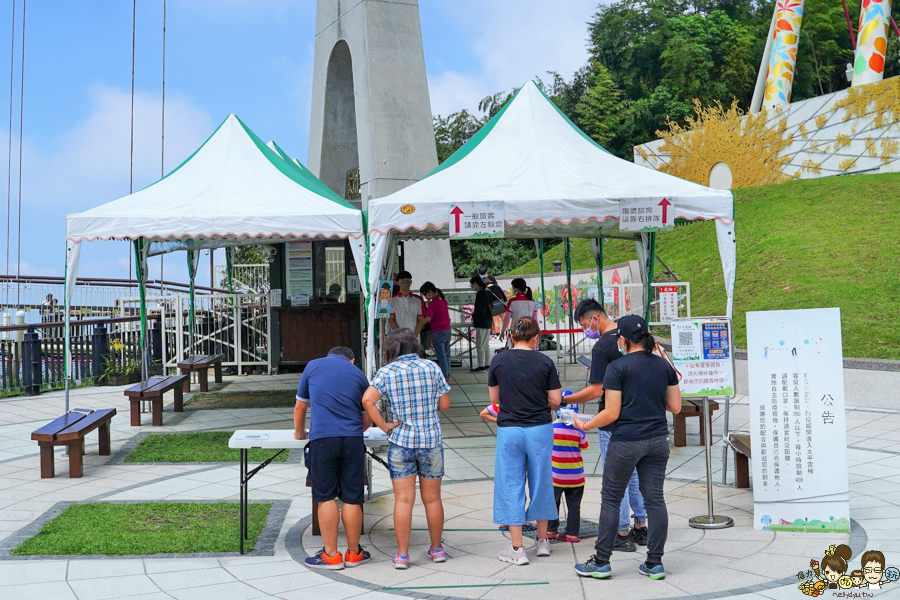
x: 415, y: 390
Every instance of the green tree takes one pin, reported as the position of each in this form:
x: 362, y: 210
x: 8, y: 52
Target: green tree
x: 599, y: 109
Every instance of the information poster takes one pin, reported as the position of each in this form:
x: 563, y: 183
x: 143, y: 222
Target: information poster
x: 668, y: 303
x: 646, y: 214
x: 477, y: 220
x: 299, y: 271
x: 702, y: 353
x: 798, y: 430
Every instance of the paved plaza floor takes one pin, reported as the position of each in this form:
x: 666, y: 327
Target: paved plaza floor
x: 733, y: 563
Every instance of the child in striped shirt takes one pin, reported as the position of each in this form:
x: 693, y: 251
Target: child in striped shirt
x: 568, y: 477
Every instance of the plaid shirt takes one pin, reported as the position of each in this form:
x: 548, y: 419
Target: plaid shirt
x: 412, y: 387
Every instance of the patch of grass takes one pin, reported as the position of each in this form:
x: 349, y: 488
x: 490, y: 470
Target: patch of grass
x: 813, y: 243
x: 261, y: 399
x: 146, y: 528
x: 210, y: 446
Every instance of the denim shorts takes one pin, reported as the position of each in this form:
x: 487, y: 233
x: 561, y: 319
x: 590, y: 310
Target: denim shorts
x: 427, y: 463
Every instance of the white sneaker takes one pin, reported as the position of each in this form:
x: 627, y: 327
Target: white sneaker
x: 543, y: 547
x: 513, y: 556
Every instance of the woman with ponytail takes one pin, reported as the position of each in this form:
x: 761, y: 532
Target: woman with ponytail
x: 438, y: 316
x: 525, y: 385
x: 640, y: 387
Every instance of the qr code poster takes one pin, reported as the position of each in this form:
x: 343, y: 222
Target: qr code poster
x: 703, y: 354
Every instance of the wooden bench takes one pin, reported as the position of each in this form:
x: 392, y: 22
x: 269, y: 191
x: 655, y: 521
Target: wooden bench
x: 691, y: 408
x: 69, y: 430
x: 152, y: 391
x: 200, y: 365
x: 740, y: 443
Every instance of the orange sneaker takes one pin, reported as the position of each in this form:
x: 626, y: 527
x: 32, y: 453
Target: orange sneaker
x: 323, y: 561
x: 354, y: 559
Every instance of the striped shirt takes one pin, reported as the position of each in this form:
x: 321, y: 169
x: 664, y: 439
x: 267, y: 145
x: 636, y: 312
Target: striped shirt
x: 568, y: 466
x: 412, y: 386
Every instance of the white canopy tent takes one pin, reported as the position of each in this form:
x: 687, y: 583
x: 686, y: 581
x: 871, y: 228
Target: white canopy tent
x: 554, y: 181
x: 234, y: 190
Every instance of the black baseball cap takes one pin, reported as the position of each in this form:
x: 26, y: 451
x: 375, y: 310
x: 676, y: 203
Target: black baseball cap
x: 630, y: 325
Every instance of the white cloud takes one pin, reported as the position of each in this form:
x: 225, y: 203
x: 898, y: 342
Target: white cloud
x: 513, y: 41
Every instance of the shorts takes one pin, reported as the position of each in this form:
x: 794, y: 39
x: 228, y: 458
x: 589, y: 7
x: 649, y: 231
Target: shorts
x: 427, y: 463
x: 337, y: 468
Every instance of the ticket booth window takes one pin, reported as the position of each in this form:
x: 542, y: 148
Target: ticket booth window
x: 331, y: 274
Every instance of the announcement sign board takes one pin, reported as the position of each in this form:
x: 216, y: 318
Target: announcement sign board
x: 476, y: 220
x: 702, y: 353
x: 797, y: 423
x: 646, y: 214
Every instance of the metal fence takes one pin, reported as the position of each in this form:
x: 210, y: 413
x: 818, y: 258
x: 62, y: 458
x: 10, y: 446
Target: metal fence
x: 32, y: 357
x: 252, y: 279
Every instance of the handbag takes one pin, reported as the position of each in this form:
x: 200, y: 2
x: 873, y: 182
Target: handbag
x: 661, y: 352
x: 498, y: 306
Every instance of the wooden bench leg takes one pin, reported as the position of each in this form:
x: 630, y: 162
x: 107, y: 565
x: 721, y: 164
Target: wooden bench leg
x: 203, y: 378
x: 680, y: 431
x: 741, y: 470
x: 105, y: 445
x: 315, y: 518
x: 157, y: 411
x: 135, y: 412
x: 217, y: 372
x: 179, y: 400
x: 76, y: 459
x: 48, y: 463
x: 187, y: 382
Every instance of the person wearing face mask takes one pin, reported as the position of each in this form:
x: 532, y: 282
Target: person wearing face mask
x: 598, y: 326
x: 639, y: 388
x: 525, y: 385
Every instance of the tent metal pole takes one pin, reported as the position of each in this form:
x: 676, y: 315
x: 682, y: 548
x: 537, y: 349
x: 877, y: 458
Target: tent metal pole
x: 66, y: 332
x: 650, y: 274
x: 140, y: 263
x: 543, y: 289
x: 600, y: 272
x: 192, y: 271
x: 229, y: 270
x: 571, y: 297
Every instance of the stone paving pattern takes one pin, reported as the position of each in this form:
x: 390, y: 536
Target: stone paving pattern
x: 700, y: 564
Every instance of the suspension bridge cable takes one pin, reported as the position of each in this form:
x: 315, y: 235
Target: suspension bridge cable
x: 12, y: 63
x: 131, y: 166
x: 21, y: 129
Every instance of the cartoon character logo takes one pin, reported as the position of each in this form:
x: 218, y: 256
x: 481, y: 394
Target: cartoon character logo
x: 832, y: 572
x: 766, y: 521
x: 407, y: 209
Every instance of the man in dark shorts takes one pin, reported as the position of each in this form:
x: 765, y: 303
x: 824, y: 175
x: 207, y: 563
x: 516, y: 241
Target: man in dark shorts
x: 598, y: 326
x: 332, y: 387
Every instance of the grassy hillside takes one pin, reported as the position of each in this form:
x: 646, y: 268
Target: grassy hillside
x: 817, y: 243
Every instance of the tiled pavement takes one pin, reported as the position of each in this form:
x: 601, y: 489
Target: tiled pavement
x: 714, y: 564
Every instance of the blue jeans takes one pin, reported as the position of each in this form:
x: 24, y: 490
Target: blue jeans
x: 441, y: 342
x: 427, y: 463
x: 650, y: 458
x: 524, y: 453
x: 632, y: 498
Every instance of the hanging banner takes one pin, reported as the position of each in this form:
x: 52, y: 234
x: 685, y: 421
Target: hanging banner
x: 477, y: 220
x: 703, y: 354
x: 385, y: 293
x: 668, y: 303
x: 299, y: 273
x: 646, y: 214
x: 798, y: 429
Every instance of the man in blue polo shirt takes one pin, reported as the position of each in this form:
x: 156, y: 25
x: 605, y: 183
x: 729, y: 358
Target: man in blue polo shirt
x: 332, y: 387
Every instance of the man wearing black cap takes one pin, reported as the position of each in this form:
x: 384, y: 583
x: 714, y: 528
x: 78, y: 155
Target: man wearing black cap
x: 639, y: 388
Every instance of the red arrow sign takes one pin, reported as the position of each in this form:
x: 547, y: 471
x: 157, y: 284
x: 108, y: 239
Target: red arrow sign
x: 665, y: 205
x: 458, y: 211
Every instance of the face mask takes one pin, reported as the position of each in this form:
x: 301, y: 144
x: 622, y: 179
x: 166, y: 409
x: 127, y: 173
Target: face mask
x: 589, y: 333
x: 621, y: 350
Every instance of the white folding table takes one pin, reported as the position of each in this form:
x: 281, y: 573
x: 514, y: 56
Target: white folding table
x: 281, y: 440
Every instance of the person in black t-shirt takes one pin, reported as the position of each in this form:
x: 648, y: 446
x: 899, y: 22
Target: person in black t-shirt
x: 639, y: 388
x: 597, y: 325
x: 525, y: 385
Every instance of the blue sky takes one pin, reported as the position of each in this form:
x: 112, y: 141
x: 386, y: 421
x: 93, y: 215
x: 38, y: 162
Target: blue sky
x: 249, y: 57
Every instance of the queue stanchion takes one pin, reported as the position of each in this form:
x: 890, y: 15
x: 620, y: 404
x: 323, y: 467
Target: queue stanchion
x: 709, y: 520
